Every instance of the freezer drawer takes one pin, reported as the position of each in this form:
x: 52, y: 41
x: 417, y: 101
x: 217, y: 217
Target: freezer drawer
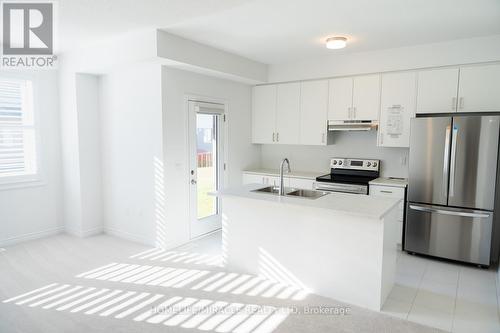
x: 451, y: 233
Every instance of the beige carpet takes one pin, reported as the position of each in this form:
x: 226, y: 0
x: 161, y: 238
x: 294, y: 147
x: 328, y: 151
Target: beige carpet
x: 104, y: 284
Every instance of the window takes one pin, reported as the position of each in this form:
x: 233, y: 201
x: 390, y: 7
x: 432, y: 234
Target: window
x: 18, y: 160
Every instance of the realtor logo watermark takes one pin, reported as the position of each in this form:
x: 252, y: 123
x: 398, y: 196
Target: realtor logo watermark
x: 28, y: 35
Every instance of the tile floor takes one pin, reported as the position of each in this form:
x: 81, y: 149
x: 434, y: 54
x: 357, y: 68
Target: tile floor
x: 449, y: 296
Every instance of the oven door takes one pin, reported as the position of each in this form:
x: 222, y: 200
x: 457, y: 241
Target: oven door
x: 341, y: 187
x: 451, y: 233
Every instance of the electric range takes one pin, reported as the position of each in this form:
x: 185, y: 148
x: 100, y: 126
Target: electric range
x: 348, y: 175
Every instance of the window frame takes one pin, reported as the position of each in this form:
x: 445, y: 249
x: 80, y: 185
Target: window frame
x: 38, y: 178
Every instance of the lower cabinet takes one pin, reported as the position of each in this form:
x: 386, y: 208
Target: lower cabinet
x: 392, y: 192
x: 253, y: 178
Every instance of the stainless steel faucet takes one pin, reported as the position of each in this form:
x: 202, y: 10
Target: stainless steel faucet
x: 282, y: 187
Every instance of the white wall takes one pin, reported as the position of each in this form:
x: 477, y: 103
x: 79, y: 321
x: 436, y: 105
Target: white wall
x: 33, y: 212
x: 346, y: 144
x: 455, y: 52
x: 88, y: 112
x: 131, y: 136
x: 241, y: 153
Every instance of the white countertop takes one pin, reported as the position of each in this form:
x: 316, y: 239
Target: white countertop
x: 293, y: 174
x: 389, y: 181
x: 353, y: 204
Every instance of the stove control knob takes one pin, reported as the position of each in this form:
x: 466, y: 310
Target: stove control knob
x: 368, y: 164
x: 340, y: 162
x: 374, y: 164
x: 334, y: 162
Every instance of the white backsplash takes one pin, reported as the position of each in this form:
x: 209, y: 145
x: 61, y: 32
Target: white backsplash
x: 394, y: 161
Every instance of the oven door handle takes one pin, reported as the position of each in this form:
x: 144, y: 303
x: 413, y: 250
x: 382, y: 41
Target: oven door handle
x: 357, y: 189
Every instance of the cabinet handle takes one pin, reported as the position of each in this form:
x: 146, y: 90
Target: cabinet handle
x: 354, y: 112
x: 278, y: 137
x: 273, y: 136
x: 461, y: 103
x: 349, y: 112
x: 322, y: 137
x: 453, y: 104
x: 385, y: 191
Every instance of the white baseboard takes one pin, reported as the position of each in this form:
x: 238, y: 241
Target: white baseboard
x: 85, y: 233
x: 31, y: 236
x: 128, y: 236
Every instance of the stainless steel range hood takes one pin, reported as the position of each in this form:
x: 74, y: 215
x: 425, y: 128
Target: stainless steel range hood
x: 352, y: 125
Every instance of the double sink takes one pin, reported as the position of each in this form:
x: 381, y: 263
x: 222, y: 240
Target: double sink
x: 292, y: 192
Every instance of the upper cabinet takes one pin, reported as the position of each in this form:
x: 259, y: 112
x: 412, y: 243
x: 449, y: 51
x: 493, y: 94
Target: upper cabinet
x: 288, y: 113
x: 397, y: 107
x: 313, y: 112
x: 479, y: 88
x: 437, y: 90
x: 299, y: 112
x: 264, y: 114
x: 366, y: 97
x: 354, y: 98
x: 340, y: 99
x: 466, y: 89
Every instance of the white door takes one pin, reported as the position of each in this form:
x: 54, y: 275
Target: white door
x: 288, y: 113
x: 437, y: 90
x: 340, y: 99
x: 313, y: 112
x: 398, y: 102
x: 479, y: 89
x: 206, y: 143
x: 264, y: 114
x: 366, y: 97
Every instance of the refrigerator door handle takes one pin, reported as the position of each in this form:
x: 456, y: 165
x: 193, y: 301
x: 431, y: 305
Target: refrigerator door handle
x: 453, y: 160
x: 449, y: 212
x: 446, y: 161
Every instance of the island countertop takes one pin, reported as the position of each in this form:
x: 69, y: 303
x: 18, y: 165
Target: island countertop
x: 345, y: 203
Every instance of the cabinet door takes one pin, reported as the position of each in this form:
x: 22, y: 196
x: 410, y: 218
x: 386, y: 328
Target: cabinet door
x: 479, y: 89
x: 340, y: 99
x: 301, y: 183
x: 366, y: 97
x: 313, y: 112
x: 250, y: 178
x: 397, y: 108
x: 288, y: 113
x: 437, y: 90
x: 264, y: 114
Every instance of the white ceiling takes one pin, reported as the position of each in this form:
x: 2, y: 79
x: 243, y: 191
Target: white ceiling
x: 279, y: 31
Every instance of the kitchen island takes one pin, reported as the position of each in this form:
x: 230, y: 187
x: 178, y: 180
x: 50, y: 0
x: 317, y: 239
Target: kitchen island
x: 339, y: 245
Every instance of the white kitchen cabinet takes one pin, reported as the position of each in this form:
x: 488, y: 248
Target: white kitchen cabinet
x: 366, y: 97
x: 253, y: 178
x: 302, y: 183
x: 264, y: 114
x: 354, y: 98
x: 392, y: 192
x: 437, y: 90
x: 479, y: 88
x: 313, y: 112
x: 340, y: 98
x: 288, y: 113
x: 397, y: 107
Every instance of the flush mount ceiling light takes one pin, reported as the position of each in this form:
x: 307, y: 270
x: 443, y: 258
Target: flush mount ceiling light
x: 336, y: 43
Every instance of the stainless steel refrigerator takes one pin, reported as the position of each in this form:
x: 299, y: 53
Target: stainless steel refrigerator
x: 451, y: 190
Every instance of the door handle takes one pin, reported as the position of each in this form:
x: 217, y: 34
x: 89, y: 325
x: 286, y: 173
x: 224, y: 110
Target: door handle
x: 446, y: 160
x: 448, y: 212
x: 453, y: 160
x: 193, y: 182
